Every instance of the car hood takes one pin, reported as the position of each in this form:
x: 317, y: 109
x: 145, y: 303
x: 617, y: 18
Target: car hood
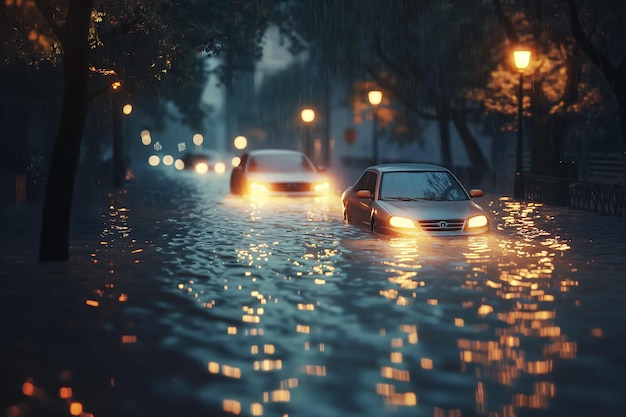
x: 431, y: 210
x: 284, y: 176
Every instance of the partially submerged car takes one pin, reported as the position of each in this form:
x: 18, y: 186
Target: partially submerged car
x: 277, y: 172
x: 412, y: 198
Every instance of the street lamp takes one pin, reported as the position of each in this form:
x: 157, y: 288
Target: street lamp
x: 522, y: 60
x: 308, y: 115
x: 375, y: 97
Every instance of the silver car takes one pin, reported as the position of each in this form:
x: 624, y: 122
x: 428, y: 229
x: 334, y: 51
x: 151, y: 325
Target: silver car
x: 410, y: 198
x: 267, y: 172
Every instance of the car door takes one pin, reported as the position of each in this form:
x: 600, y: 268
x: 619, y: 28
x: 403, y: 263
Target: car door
x: 360, y: 208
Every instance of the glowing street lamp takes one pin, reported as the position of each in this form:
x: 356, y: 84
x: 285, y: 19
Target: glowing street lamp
x: 375, y: 97
x: 308, y: 116
x: 522, y: 61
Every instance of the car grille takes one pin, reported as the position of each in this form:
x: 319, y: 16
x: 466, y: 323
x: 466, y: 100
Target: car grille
x: 291, y: 187
x: 450, y: 225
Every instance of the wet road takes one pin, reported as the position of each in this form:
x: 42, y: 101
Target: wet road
x: 183, y: 300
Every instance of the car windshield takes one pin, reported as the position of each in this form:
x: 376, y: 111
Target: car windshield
x: 426, y: 185
x: 280, y: 163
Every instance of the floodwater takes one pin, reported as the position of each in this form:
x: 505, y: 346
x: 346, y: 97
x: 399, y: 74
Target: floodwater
x: 183, y: 300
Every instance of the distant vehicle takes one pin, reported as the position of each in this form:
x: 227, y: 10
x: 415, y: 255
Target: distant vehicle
x: 277, y: 172
x: 200, y: 162
x: 409, y: 198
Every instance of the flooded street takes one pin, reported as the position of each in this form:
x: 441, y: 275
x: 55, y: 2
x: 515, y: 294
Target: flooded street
x: 181, y: 299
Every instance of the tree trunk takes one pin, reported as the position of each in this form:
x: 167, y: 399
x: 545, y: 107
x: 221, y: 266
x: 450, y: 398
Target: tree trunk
x: 443, y: 121
x: 57, y: 204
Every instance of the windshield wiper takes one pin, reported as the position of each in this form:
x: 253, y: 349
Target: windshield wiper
x: 402, y: 198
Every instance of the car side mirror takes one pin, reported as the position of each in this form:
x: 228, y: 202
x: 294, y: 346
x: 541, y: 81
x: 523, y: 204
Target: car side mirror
x: 476, y: 192
x: 364, y: 194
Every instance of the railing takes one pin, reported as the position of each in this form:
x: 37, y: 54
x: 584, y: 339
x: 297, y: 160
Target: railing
x: 607, y: 199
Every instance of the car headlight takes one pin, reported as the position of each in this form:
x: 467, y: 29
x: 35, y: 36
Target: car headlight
x: 477, y: 221
x: 201, y: 168
x: 320, y: 187
x: 402, y: 222
x: 258, y: 187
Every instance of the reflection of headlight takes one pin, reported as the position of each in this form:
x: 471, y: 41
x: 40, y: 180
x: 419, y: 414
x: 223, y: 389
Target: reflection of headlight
x: 320, y: 187
x: 403, y: 222
x: 258, y: 187
x: 477, y: 221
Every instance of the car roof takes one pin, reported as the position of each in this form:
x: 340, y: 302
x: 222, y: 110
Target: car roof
x: 273, y: 152
x: 407, y: 166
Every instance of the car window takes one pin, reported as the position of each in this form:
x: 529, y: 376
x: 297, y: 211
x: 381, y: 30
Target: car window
x: 430, y: 185
x: 366, y: 182
x: 280, y: 163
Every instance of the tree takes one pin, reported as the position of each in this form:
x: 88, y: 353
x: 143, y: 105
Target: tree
x: 612, y: 20
x: 421, y: 53
x: 83, y: 37
x: 558, y: 85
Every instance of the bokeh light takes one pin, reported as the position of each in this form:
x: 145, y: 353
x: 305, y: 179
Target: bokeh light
x: 127, y: 109
x: 179, y: 164
x: 197, y: 139
x: 168, y: 160
x: 154, y: 160
x: 235, y: 161
x: 146, y: 139
x: 220, y: 167
x: 240, y: 142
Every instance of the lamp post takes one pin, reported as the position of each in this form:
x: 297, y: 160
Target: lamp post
x: 522, y: 60
x: 375, y: 97
x: 308, y: 115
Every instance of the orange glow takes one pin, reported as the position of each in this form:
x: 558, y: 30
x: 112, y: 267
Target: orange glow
x: 522, y: 59
x: 28, y: 389
x: 426, y: 363
x: 76, y: 408
x: 268, y: 365
x: 392, y: 373
x: 302, y: 328
x: 256, y: 409
x: 231, y: 406
x: 375, y: 97
x: 281, y: 396
x: 92, y: 303
x: 127, y: 339
x: 307, y: 115
x: 318, y: 370
x: 214, y: 367
x: 65, y: 392
x: 231, y: 372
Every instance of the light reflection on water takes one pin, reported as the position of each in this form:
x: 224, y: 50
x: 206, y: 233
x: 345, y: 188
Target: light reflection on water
x: 277, y: 307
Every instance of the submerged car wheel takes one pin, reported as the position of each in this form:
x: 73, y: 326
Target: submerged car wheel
x: 346, y: 215
x: 374, y: 226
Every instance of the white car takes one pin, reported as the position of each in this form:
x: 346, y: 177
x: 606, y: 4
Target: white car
x: 408, y: 199
x: 277, y: 172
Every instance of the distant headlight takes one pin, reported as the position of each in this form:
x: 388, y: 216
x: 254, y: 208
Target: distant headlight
x: 477, y: 221
x: 202, y: 168
x: 403, y: 222
x: 321, y: 187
